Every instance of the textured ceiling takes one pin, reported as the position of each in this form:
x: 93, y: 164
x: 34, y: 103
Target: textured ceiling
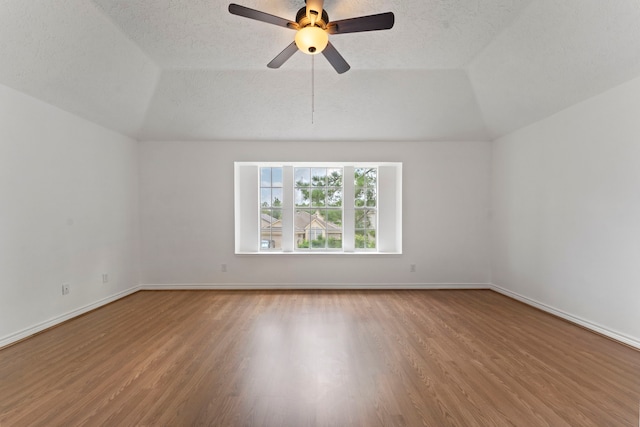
x: 203, y: 34
x: 187, y: 69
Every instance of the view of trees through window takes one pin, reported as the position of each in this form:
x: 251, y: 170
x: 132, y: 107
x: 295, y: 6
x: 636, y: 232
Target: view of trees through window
x: 318, y: 203
x: 318, y: 208
x: 366, y: 201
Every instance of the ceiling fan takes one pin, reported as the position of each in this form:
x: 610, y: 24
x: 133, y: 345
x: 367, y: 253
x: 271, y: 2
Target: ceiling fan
x: 313, y: 27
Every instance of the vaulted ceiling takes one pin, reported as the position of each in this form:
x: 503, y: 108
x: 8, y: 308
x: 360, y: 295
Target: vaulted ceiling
x: 188, y: 69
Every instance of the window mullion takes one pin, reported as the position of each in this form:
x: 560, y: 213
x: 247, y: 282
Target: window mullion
x: 348, y: 209
x: 288, y: 209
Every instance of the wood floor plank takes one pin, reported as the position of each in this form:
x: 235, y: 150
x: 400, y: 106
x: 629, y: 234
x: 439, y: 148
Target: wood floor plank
x: 319, y: 358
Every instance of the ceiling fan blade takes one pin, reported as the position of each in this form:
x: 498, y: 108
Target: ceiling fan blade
x: 283, y: 56
x: 381, y: 21
x: 314, y: 10
x: 335, y: 59
x: 246, y: 12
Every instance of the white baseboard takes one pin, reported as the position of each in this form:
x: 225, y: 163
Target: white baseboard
x: 630, y: 341
x: 17, y: 336
x: 307, y: 286
x: 20, y: 335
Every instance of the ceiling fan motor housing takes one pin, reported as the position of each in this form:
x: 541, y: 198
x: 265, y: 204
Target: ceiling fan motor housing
x: 303, y: 20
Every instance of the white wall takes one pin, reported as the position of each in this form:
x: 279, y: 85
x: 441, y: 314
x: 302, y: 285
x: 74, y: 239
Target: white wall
x: 566, y: 213
x: 186, y: 193
x: 68, y: 213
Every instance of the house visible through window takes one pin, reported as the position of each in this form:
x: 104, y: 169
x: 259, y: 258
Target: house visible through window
x: 315, y: 207
x: 318, y: 207
x: 271, y: 196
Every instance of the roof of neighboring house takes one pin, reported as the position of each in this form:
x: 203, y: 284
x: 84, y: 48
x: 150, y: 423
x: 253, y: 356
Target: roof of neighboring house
x: 268, y: 218
x: 303, y: 219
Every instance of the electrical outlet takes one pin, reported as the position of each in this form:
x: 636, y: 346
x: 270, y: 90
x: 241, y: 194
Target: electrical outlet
x: 105, y: 278
x: 66, y: 289
x: 223, y: 268
x: 412, y: 268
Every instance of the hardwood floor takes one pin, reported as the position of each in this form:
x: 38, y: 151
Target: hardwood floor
x: 319, y: 358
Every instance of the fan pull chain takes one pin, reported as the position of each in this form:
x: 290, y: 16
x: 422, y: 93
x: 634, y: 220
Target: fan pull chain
x: 313, y: 96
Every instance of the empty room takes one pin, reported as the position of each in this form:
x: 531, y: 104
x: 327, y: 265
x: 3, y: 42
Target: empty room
x: 321, y: 213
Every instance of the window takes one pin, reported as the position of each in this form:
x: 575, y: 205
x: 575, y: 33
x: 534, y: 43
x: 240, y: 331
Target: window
x: 271, y: 196
x: 366, y: 196
x: 318, y: 207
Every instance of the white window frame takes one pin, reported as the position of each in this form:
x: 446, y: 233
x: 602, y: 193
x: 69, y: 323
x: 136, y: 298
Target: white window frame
x: 314, y: 231
x: 366, y: 208
x: 247, y: 209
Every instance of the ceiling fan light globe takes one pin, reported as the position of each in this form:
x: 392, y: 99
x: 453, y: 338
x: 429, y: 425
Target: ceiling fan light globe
x: 311, y: 40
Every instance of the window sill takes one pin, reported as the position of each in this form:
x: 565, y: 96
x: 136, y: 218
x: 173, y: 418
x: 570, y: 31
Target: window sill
x: 307, y: 253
